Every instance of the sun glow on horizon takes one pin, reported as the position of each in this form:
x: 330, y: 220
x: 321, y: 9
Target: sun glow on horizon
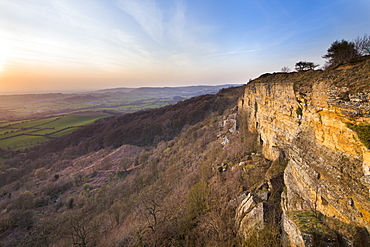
x: 4, y: 54
x: 61, y: 45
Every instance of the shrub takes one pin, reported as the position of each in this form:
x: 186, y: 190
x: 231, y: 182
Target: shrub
x: 70, y: 203
x: 268, y: 236
x: 299, y: 112
x: 197, y: 200
x: 24, y: 201
x: 41, y: 173
x: 25, y: 219
x: 363, y: 132
x: 57, y: 188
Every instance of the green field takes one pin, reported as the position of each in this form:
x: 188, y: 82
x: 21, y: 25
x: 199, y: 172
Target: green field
x: 3, y: 130
x: 6, y: 124
x: 33, y: 123
x: 26, y: 120
x: 64, y: 132
x: 26, y: 134
x: 22, y: 142
x: 21, y: 134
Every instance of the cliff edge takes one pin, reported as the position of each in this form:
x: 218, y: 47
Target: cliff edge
x: 319, y: 122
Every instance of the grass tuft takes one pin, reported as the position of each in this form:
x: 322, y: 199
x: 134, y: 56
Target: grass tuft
x: 307, y: 222
x: 362, y: 131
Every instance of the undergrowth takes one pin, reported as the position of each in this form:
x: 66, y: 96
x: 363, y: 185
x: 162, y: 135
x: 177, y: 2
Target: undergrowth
x: 362, y: 131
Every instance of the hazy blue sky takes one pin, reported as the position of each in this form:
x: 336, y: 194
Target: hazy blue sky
x: 54, y: 45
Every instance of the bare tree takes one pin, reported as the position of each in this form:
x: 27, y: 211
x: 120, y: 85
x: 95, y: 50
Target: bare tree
x: 285, y: 69
x: 79, y: 227
x: 362, y: 45
x: 152, y: 209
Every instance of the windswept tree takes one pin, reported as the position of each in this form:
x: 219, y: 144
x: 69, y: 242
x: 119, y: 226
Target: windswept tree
x: 341, y: 52
x: 304, y: 66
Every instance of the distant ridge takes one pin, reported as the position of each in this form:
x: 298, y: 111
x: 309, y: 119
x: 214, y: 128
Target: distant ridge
x: 200, y: 88
x: 119, y: 89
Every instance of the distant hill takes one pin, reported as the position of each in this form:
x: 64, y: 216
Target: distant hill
x: 167, y: 92
x: 120, y: 100
x: 191, y: 91
x: 115, y: 90
x: 18, y: 111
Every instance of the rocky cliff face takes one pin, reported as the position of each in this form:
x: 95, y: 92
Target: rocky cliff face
x: 308, y: 119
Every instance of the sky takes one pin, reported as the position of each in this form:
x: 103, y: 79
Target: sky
x: 72, y: 45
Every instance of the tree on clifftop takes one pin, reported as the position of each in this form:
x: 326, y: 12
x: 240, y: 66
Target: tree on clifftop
x: 285, y: 69
x: 341, y: 52
x: 362, y: 45
x: 303, y: 66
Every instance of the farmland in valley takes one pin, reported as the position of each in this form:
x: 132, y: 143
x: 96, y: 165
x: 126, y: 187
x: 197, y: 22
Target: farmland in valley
x: 27, y: 120
x: 20, y: 135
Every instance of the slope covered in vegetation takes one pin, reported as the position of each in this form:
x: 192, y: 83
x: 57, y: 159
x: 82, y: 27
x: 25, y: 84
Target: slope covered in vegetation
x: 283, y: 160
x: 178, y: 184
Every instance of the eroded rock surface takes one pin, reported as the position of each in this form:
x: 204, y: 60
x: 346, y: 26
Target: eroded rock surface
x: 306, y: 117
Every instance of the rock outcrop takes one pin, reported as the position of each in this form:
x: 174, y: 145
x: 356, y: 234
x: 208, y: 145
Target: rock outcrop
x: 251, y: 214
x: 313, y: 119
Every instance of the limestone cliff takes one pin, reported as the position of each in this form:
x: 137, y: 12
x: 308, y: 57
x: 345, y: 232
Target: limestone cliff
x: 308, y: 119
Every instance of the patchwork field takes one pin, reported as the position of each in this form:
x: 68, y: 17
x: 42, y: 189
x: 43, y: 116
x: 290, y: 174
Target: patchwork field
x: 26, y: 120
x: 24, y: 134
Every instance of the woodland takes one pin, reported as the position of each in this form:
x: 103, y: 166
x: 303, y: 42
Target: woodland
x: 152, y: 178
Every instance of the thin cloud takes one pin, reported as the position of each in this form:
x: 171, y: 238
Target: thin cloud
x: 75, y: 38
x: 232, y: 53
x: 188, y: 35
x: 175, y: 40
x: 147, y: 14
